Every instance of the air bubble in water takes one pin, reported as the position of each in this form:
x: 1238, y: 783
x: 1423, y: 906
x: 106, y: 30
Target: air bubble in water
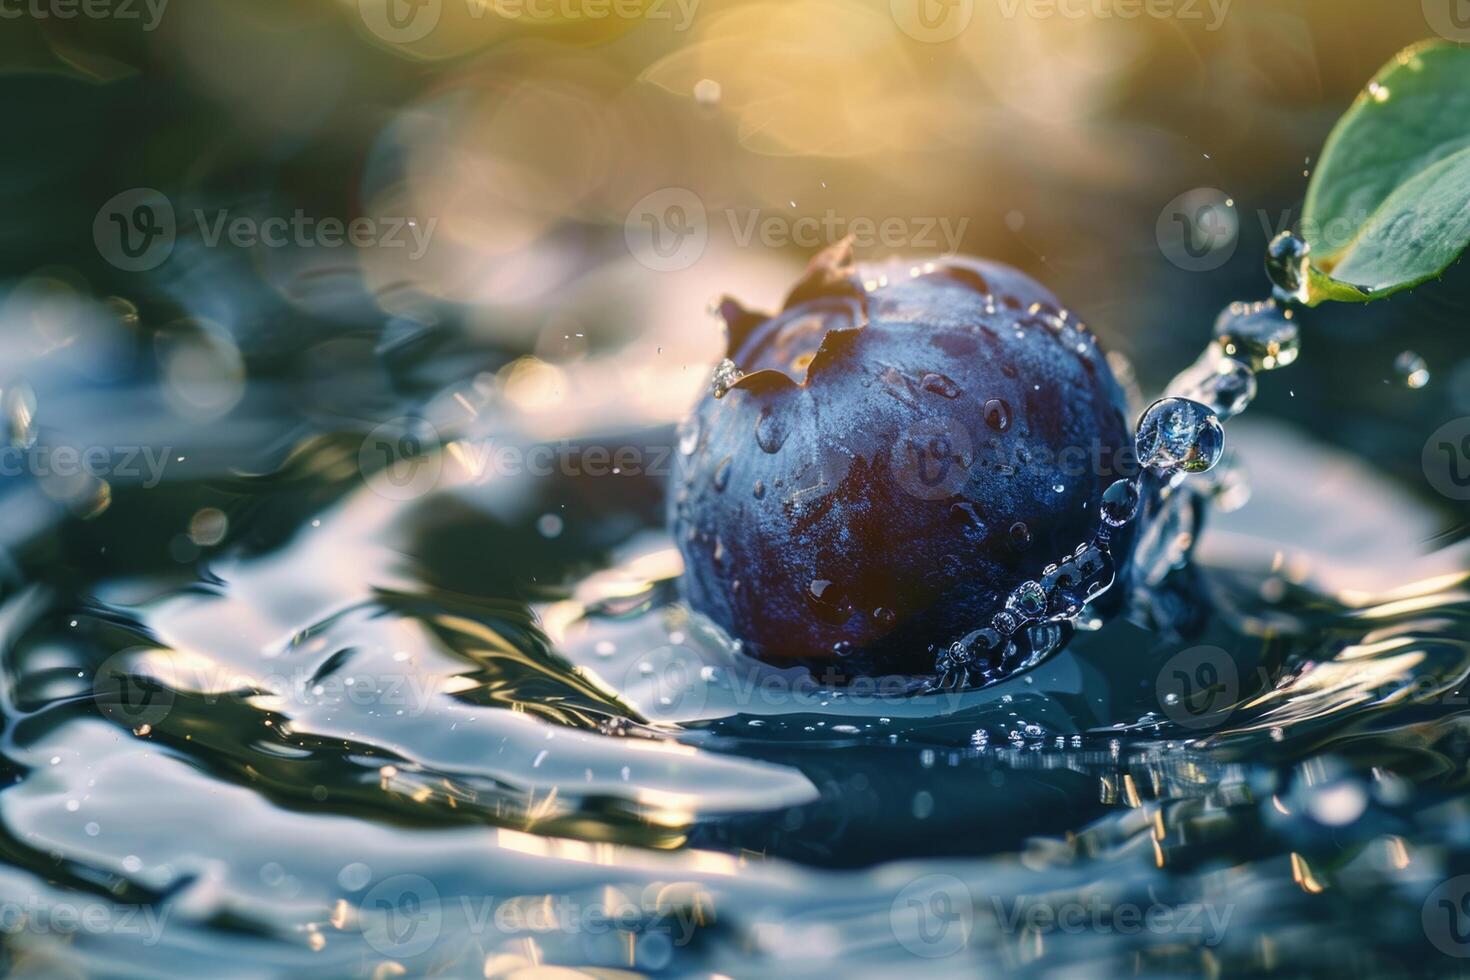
x: 1179, y: 435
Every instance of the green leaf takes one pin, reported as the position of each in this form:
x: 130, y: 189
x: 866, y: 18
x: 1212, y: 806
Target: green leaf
x: 1389, y: 204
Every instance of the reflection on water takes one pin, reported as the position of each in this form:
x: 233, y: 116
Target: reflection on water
x: 373, y: 732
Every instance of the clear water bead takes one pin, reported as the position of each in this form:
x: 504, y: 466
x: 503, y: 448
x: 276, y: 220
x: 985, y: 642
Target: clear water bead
x: 1261, y: 334
x: 1229, y: 388
x: 1028, y: 600
x: 1179, y: 435
x: 1120, y: 503
x: 1286, y: 264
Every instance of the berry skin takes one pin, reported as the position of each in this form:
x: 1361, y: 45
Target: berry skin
x: 888, y: 457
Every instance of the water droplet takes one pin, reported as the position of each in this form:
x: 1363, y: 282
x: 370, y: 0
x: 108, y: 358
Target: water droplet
x: 1286, y: 265
x: 707, y: 91
x: 1230, y: 388
x: 941, y: 385
x: 1047, y: 316
x: 1261, y: 334
x: 722, y: 475
x: 18, y: 415
x: 1120, y: 503
x: 759, y: 490
x: 1378, y: 92
x: 1020, y: 536
x: 770, y: 430
x: 884, y: 616
x: 725, y: 376
x: 963, y: 514
x: 998, y: 414
x: 1028, y: 600
x: 1177, y: 434
x: 1412, y: 369
x: 829, y: 601
x: 689, y: 436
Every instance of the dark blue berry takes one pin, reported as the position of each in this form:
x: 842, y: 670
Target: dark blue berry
x: 881, y: 463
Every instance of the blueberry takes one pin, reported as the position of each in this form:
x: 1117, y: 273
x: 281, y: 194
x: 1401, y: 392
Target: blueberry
x: 881, y: 463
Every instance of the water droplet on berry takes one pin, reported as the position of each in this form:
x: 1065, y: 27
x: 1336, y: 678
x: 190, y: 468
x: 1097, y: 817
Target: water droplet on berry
x: 1020, y: 536
x: 829, y: 601
x: 963, y: 514
x: 941, y: 385
x: 998, y: 414
x: 770, y: 431
x: 689, y: 436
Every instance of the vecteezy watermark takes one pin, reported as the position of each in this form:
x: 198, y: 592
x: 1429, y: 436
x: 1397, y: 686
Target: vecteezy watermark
x: 405, y: 457
x: 407, y: 21
x: 669, y: 229
x: 1446, y: 459
x: 402, y: 458
x: 777, y: 230
x: 302, y: 230
x: 1203, y: 923
x: 1198, y: 687
x: 1211, y: 13
x: 39, y: 916
x: 935, y: 457
x: 143, y: 465
x: 1198, y: 230
x: 936, y: 21
x: 140, y: 685
x: 1446, y: 917
x: 403, y: 916
x: 932, y: 458
x: 1450, y: 19
x: 137, y: 229
x: 932, y: 21
x: 1406, y: 230
x: 674, y: 683
x: 933, y: 916
x: 150, y: 12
